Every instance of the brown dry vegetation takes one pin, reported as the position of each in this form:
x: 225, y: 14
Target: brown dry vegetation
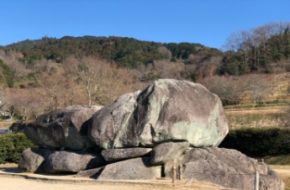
x: 48, y: 85
x: 258, y: 117
x: 92, y: 81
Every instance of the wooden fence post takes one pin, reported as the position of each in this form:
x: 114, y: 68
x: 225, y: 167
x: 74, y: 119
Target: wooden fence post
x: 174, y: 172
x: 257, y: 180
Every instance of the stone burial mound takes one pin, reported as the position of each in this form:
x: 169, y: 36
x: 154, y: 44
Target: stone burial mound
x: 171, y: 128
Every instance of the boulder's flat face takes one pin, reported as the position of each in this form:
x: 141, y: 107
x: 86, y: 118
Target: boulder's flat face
x: 111, y: 155
x: 137, y: 168
x: 111, y: 126
x: 61, y: 129
x: 180, y: 110
x: 228, y: 168
x: 71, y: 162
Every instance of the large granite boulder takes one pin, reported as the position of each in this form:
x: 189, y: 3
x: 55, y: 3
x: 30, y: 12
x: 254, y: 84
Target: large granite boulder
x: 111, y: 155
x: 180, y: 110
x: 132, y: 169
x: 167, y: 110
x: 228, y: 168
x: 61, y: 129
x: 71, y: 162
x: 32, y: 160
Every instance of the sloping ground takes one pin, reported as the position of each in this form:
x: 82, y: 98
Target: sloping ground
x: 11, y: 180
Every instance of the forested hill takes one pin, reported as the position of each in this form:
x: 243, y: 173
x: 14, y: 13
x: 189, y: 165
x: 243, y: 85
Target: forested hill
x: 127, y: 52
x: 265, y: 49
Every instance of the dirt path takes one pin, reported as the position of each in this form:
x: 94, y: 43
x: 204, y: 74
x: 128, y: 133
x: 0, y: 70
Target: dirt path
x: 11, y: 180
x: 282, y: 169
x: 17, y: 183
x: 284, y: 172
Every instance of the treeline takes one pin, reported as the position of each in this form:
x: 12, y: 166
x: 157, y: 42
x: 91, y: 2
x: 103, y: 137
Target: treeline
x: 264, y: 49
x: 126, y: 52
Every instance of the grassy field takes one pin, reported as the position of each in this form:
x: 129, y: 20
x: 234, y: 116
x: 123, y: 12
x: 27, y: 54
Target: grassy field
x: 257, y: 117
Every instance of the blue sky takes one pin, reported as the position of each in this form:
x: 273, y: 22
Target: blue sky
x: 208, y: 22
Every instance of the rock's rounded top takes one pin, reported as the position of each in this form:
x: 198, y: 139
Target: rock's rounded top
x: 166, y: 110
x: 69, y: 114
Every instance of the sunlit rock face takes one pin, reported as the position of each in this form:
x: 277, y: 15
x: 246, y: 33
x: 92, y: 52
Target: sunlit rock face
x: 167, y: 110
x: 180, y: 110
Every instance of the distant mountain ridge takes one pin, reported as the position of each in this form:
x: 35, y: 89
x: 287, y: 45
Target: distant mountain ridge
x: 265, y: 49
x: 124, y: 51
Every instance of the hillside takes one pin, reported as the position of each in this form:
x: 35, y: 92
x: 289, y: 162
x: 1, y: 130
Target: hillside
x: 128, y: 52
x: 45, y: 74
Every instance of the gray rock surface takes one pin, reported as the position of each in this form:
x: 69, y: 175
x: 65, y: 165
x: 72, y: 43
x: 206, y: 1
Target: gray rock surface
x: 228, y: 168
x: 167, y: 110
x: 71, y: 162
x: 137, y: 168
x: 31, y: 160
x: 168, y: 152
x: 180, y: 110
x: 111, y: 155
x: 111, y: 126
x: 61, y: 129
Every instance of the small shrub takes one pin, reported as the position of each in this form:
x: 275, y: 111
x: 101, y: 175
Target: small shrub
x: 12, y: 145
